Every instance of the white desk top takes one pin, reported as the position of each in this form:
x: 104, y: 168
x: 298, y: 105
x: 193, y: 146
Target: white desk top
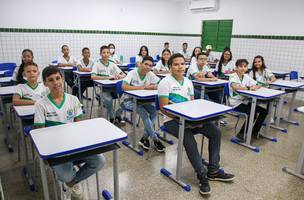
x: 5, y: 79
x: 82, y: 73
x: 75, y: 137
x: 219, y: 82
x: 106, y: 82
x: 8, y: 90
x: 280, y: 72
x: 66, y: 68
x: 262, y: 93
x: 142, y: 94
x: 197, y: 109
x: 25, y: 111
x: 287, y: 84
x: 123, y: 65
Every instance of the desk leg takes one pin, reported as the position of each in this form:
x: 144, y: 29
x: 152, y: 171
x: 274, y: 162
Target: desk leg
x: 4, y: 123
x: 101, y: 103
x: 179, y: 164
x: 299, y: 166
x: 267, y: 127
x: 115, y: 175
x: 93, y: 99
x: 278, y: 112
x: 44, y: 180
x: 26, y: 169
x: 249, y: 130
x: 132, y: 146
x: 291, y: 110
x: 79, y: 89
x: 202, y: 92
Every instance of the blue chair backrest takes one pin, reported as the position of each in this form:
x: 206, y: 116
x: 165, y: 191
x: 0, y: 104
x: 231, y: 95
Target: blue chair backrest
x: 157, y: 57
x: 8, y: 66
x: 157, y: 104
x: 226, y: 90
x: 119, y: 88
x: 293, y: 75
x: 132, y: 60
x: 131, y: 66
x: 54, y: 62
x: 8, y: 73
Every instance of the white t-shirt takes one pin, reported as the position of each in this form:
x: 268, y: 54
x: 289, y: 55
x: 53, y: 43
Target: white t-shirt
x: 261, y: 78
x: 185, y: 54
x: 175, y: 91
x: 194, y: 69
x: 101, y: 69
x: 134, y: 79
x: 89, y: 66
x: 72, y: 60
x: 47, y: 113
x: 236, y: 99
x: 193, y: 60
x: 229, y: 67
x: 210, y: 58
x: 160, y: 67
x: 25, y: 91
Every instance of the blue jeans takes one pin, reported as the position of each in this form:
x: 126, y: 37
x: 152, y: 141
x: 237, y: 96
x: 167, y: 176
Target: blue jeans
x: 67, y: 173
x: 147, y: 113
x: 212, y: 132
x: 108, y: 103
x: 216, y: 96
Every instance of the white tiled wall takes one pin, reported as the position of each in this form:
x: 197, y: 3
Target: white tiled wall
x: 47, y: 46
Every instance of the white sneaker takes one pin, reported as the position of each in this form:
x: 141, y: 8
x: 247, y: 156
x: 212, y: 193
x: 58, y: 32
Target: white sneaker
x: 77, y: 192
x: 271, y: 121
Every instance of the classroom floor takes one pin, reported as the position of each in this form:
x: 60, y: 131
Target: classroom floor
x: 258, y: 175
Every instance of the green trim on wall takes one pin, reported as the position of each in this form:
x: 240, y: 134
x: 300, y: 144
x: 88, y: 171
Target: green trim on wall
x: 30, y: 30
x: 269, y: 37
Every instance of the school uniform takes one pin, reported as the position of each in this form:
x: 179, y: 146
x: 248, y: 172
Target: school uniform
x: 193, y: 60
x: 48, y: 113
x: 241, y: 104
x: 69, y: 75
x: 216, y: 96
x: 210, y: 58
x: 161, y: 67
x: 230, y: 66
x: 261, y: 77
x: 87, y: 81
x: 107, y: 70
x: 25, y: 91
x: 146, y: 111
x: 86, y: 66
x: 138, y: 58
x: 176, y: 92
x: 186, y: 54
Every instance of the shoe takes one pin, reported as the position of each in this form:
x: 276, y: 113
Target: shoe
x: 223, y: 123
x: 112, y: 120
x: 204, y: 188
x: 220, y: 175
x: 144, y: 143
x: 119, y: 122
x: 77, y: 192
x: 159, y: 146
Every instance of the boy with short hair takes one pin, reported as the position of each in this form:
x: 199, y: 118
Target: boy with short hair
x: 175, y: 89
x: 58, y: 108
x: 142, y: 78
x: 105, y: 69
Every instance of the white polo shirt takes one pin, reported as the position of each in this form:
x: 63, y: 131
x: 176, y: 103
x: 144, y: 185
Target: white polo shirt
x: 25, y: 91
x: 230, y: 66
x: 261, y: 78
x: 236, y: 99
x: 175, y: 91
x: 101, y: 69
x: 72, y: 60
x: 47, y: 113
x: 89, y: 66
x: 194, y: 69
x: 160, y: 67
x: 185, y: 54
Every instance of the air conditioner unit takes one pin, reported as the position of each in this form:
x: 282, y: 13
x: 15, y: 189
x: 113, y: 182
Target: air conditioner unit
x: 203, y: 5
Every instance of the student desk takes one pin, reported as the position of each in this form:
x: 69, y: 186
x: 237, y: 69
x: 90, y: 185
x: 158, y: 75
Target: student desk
x: 196, y: 110
x: 67, y: 142
x: 210, y: 84
x: 102, y: 84
x: 123, y: 66
x: 6, y: 92
x: 23, y: 113
x: 286, y: 85
x: 5, y: 80
x: 143, y: 96
x: 260, y: 94
x: 81, y: 75
x: 280, y: 74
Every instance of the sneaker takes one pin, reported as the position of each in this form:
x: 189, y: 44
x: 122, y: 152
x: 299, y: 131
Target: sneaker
x: 119, y: 121
x: 220, y: 175
x: 144, y: 143
x: 204, y: 186
x: 159, y: 146
x: 223, y: 123
x: 77, y: 192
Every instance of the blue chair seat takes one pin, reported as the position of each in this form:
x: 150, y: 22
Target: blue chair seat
x: 27, y: 130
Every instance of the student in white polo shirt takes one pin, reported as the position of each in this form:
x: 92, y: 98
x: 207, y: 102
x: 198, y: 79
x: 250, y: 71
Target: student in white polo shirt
x: 260, y: 73
x: 105, y: 69
x: 162, y: 65
x: 113, y: 56
x: 242, y: 81
x: 67, y: 60
x: 185, y: 51
x: 226, y: 65
x: 58, y: 108
x: 143, y: 51
x: 86, y: 63
x: 196, y: 51
x: 175, y: 88
x: 142, y: 78
x: 31, y: 91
